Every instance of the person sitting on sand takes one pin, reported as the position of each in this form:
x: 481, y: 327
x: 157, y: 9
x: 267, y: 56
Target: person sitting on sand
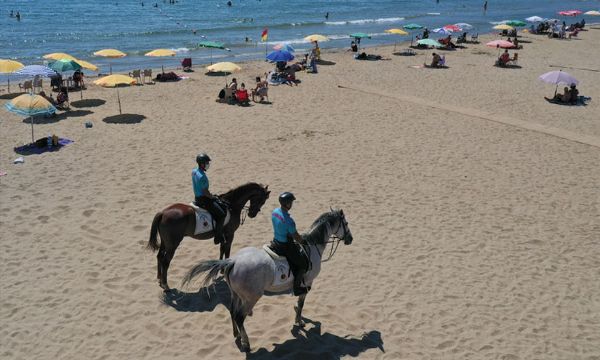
x: 574, y: 94
x: 504, y: 58
x: 261, y: 89
x: 562, y: 98
x: 233, y: 85
x: 435, y: 62
x: 516, y: 43
x: 353, y: 47
x: 242, y: 96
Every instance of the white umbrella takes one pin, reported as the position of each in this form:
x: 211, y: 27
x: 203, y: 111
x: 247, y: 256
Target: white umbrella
x: 534, y: 19
x: 33, y: 70
x: 558, y: 77
x: 442, y: 31
x: 464, y: 26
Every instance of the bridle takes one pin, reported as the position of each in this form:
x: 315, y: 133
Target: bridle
x: 245, y: 211
x: 333, y: 238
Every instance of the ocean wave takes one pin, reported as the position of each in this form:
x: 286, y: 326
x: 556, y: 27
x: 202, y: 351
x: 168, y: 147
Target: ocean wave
x: 365, y: 21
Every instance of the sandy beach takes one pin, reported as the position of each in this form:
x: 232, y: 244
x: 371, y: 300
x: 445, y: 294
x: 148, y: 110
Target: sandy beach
x: 474, y: 205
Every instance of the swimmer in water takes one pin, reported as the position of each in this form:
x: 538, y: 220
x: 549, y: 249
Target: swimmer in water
x: 327, y: 16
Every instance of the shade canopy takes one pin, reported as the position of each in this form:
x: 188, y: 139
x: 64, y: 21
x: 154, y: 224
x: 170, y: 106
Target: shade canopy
x: 558, y: 77
x: 534, y: 19
x: 161, y: 53
x: 33, y: 70
x: 111, y: 53
x: 58, y: 56
x: 9, y: 66
x: 115, y: 80
x: 64, y: 65
x: 500, y: 44
x: 87, y: 65
x: 30, y: 105
x: 316, y: 37
x: 412, y: 26
x: 515, y: 23
x: 280, y: 55
x: 211, y: 44
x: 503, y: 27
x: 396, y: 31
x: 223, y: 67
x: 429, y: 42
x: 360, y: 35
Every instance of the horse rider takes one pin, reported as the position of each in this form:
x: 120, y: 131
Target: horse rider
x: 285, y: 233
x: 205, y: 199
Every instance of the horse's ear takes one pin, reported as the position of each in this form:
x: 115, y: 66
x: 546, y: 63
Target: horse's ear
x: 341, y: 212
x: 330, y: 209
x: 267, y: 187
x: 268, y: 193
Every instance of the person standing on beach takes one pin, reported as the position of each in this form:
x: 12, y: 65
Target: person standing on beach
x: 206, y: 200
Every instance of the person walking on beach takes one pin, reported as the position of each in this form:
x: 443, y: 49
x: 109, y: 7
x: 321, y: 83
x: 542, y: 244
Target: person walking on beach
x: 206, y: 200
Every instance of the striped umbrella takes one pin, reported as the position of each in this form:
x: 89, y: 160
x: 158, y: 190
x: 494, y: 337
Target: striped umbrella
x: 30, y: 105
x: 33, y: 70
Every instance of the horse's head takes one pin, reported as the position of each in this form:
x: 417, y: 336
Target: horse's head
x: 340, y: 227
x: 257, y: 200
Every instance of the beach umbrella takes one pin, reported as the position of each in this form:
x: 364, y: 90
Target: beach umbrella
x: 30, y: 105
x: 429, y: 42
x: 280, y: 55
x: 226, y: 67
x: 569, y: 12
x: 285, y: 47
x: 58, y: 56
x: 558, y: 77
x: 8, y: 67
x: 64, y: 65
x: 161, y: 53
x: 211, y: 45
x: 500, y: 44
x: 592, y: 13
x: 412, y: 26
x: 316, y: 37
x: 503, y: 27
x: 110, y: 53
x: 360, y: 35
x: 116, y: 81
x: 442, y: 31
x: 515, y: 23
x: 86, y: 65
x: 534, y: 19
x: 396, y: 32
x: 464, y: 26
x: 33, y: 70
x: 452, y: 28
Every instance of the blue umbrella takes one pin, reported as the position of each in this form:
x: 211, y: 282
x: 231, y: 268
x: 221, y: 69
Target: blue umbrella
x: 280, y: 55
x: 33, y: 70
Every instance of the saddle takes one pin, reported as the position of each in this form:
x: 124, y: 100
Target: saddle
x: 204, y: 220
x: 281, y: 268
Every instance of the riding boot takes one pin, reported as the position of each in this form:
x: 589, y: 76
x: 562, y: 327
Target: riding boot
x: 298, y: 288
x: 219, y: 237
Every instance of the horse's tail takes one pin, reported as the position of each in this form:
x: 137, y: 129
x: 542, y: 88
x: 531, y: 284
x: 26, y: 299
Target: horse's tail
x: 213, y: 267
x: 153, y: 241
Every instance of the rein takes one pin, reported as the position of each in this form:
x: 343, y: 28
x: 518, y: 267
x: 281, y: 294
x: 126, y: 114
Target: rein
x: 243, y: 214
x: 332, y: 239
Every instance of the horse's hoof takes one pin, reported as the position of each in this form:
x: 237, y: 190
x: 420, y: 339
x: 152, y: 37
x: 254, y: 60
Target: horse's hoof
x: 245, y: 348
x: 301, y: 324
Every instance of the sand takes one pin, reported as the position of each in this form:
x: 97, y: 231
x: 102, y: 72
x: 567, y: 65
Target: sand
x: 474, y: 205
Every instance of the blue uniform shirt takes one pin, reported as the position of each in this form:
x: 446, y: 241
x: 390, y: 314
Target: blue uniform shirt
x: 283, y: 225
x: 199, y: 181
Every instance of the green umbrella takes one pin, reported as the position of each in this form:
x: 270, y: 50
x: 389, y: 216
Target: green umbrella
x: 211, y: 45
x: 360, y: 35
x: 412, y: 26
x: 429, y: 42
x: 516, y: 23
x: 63, y: 65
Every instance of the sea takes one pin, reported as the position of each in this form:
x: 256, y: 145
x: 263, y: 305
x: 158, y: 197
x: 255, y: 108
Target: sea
x: 135, y: 27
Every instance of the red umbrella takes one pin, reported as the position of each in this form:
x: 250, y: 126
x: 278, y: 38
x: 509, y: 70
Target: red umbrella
x: 500, y: 44
x: 452, y: 28
x: 570, y: 13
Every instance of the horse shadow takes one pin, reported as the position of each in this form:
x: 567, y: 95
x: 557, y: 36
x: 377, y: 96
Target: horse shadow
x: 311, y: 343
x: 205, y: 299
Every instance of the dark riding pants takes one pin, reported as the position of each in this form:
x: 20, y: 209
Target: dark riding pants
x: 218, y: 213
x: 298, y: 262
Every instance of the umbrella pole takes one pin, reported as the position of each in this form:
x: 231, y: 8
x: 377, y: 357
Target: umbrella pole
x: 119, y: 101
x: 110, y: 68
x: 9, y: 83
x: 163, y: 68
x: 31, y: 119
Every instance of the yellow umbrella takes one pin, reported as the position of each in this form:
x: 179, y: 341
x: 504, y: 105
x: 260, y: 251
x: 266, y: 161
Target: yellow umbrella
x: 30, y: 105
x: 316, y: 37
x: 9, y: 66
x: 161, y: 53
x: 110, y: 53
x: 58, y: 56
x: 86, y: 65
x: 396, y: 32
x: 223, y: 67
x: 116, y: 81
x: 503, y: 27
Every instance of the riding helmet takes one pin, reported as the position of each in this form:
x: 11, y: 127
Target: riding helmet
x: 286, y: 197
x: 202, y: 158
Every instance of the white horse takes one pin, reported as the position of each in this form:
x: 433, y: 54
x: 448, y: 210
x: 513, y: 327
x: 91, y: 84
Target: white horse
x: 253, y: 272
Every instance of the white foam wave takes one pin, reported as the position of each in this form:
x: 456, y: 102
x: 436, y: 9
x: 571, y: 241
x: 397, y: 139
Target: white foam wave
x: 434, y: 14
x: 365, y: 21
x: 181, y: 50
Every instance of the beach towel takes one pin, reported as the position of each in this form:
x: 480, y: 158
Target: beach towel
x: 34, y: 148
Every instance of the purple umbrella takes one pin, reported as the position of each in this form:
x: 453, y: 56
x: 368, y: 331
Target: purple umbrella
x: 558, y: 77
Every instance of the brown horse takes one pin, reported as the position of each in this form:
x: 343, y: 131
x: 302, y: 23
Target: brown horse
x: 179, y: 220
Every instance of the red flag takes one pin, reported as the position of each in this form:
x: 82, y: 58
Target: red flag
x: 265, y: 35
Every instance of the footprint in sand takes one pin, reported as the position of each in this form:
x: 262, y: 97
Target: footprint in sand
x: 139, y: 228
x: 445, y: 345
x: 43, y: 218
x: 88, y: 213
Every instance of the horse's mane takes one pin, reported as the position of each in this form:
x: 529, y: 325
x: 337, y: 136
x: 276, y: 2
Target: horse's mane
x: 236, y: 192
x: 316, y: 233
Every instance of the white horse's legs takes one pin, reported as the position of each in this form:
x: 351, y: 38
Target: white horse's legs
x: 298, y: 309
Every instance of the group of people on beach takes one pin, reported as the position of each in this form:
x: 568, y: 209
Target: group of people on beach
x: 285, y: 236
